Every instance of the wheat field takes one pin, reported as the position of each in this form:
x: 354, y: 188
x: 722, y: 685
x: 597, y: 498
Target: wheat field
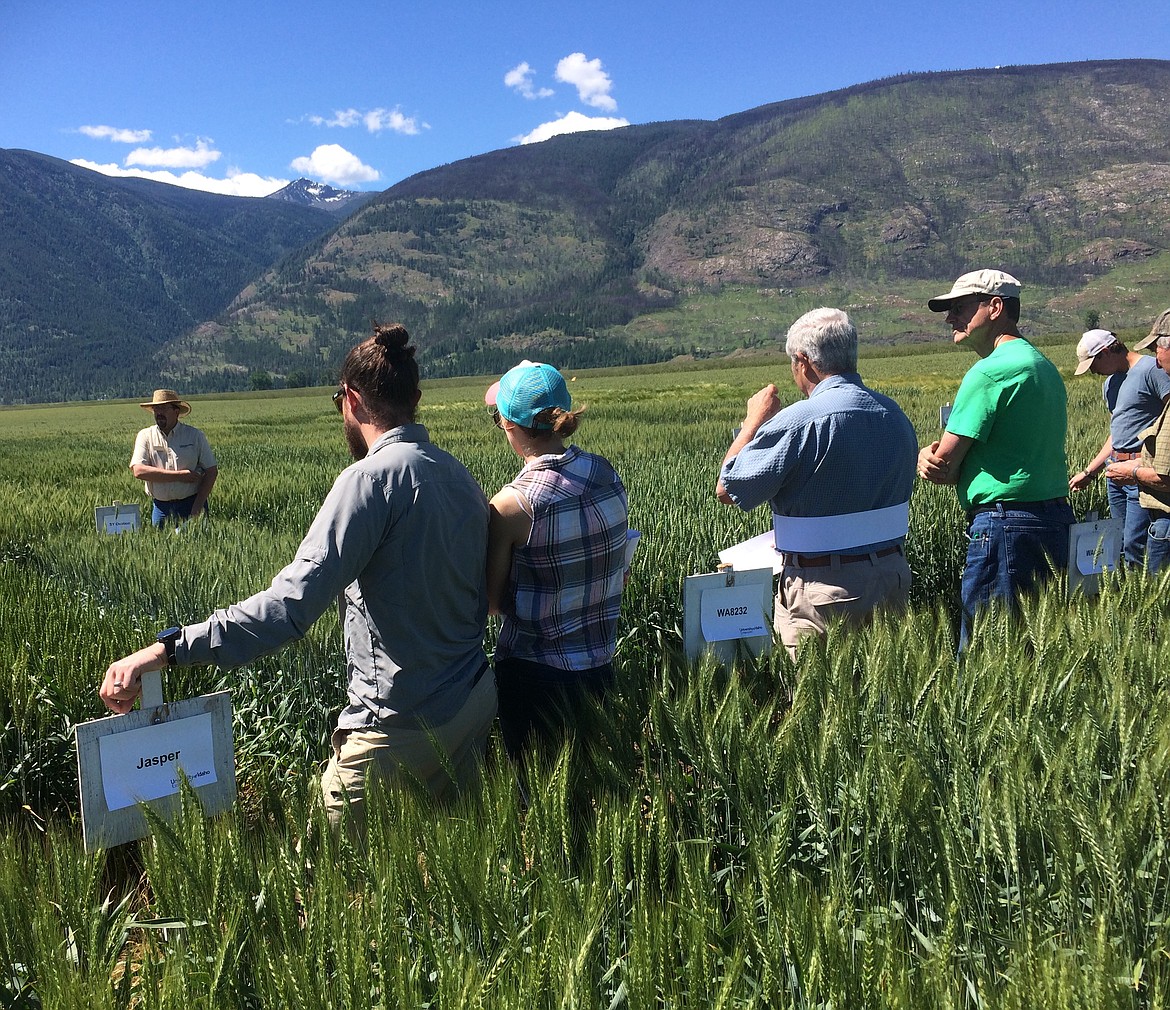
x: 874, y: 825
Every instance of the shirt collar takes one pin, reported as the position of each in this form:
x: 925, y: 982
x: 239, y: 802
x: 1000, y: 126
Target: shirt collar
x: 550, y: 459
x: 412, y: 432
x: 833, y: 381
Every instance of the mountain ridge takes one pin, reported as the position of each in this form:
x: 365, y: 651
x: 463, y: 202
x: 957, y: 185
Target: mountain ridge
x: 306, y: 193
x: 643, y: 243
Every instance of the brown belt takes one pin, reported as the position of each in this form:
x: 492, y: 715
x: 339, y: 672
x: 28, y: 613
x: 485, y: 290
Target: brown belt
x: 824, y: 560
x: 1126, y: 455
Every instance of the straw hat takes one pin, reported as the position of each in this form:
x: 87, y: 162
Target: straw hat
x: 165, y: 396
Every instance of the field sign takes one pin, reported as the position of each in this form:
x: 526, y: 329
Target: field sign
x: 724, y: 609
x: 1093, y: 547
x: 135, y: 758
x: 117, y: 518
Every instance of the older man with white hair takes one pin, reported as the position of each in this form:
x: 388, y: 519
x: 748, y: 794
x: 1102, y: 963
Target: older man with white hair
x: 837, y: 470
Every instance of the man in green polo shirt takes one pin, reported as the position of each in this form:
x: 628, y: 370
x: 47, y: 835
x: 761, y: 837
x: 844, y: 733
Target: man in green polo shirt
x: 1003, y: 448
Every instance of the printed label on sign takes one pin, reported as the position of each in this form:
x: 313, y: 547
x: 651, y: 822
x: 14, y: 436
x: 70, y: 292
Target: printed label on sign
x: 732, y: 612
x: 143, y: 764
x: 1096, y: 550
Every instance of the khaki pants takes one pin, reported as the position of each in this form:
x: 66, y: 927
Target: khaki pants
x: 808, y: 598
x: 359, y: 756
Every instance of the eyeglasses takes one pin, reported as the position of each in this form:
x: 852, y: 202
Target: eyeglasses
x: 496, y: 417
x: 338, y: 397
x: 961, y: 305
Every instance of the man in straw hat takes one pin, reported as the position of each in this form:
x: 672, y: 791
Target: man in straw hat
x: 174, y: 460
x: 1150, y: 473
x: 1135, y: 389
x: 1003, y: 448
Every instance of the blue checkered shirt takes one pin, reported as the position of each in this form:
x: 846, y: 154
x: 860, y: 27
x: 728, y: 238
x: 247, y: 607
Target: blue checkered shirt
x: 845, y: 449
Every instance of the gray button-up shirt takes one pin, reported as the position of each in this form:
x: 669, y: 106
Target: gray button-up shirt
x: 402, y: 540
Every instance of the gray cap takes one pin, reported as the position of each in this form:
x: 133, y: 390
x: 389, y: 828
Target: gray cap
x: 1161, y: 328
x: 978, y: 282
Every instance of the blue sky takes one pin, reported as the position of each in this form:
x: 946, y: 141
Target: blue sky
x: 242, y: 97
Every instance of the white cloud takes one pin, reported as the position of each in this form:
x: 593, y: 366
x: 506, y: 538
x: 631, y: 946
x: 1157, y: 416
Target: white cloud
x: 236, y: 184
x: 592, y: 83
x: 573, y: 122
x: 115, y: 134
x: 375, y: 120
x: 519, y: 79
x: 333, y: 163
x: 199, y: 156
x: 342, y: 117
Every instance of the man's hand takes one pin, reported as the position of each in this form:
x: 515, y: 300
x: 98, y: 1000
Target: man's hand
x: 1123, y: 472
x: 933, y: 467
x: 762, y: 407
x: 1080, y: 481
x: 123, y: 681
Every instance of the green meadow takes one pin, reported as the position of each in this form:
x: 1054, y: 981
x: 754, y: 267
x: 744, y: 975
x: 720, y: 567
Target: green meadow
x: 874, y: 825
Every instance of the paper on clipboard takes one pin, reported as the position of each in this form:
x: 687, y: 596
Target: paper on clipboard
x: 758, y: 552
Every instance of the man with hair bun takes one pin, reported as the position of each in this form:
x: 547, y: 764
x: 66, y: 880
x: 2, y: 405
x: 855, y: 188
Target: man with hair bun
x: 837, y: 470
x: 1134, y: 390
x: 400, y: 543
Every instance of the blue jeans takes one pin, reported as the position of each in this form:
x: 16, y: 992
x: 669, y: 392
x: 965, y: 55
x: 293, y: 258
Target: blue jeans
x: 1013, y: 547
x: 178, y: 510
x: 1123, y: 505
x: 1158, y: 543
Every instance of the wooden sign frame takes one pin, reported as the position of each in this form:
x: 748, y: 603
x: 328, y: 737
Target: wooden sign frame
x: 758, y: 580
x: 103, y: 827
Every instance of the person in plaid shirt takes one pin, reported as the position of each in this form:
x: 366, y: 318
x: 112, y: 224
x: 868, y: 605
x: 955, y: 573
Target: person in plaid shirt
x: 556, y: 561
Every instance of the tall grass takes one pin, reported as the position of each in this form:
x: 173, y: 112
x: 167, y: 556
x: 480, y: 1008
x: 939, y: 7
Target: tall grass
x: 875, y: 824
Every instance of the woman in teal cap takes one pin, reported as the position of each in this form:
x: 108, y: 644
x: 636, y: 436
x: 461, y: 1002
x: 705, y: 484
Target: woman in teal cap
x: 556, y: 559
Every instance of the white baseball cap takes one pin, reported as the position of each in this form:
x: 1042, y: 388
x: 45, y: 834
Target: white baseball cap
x: 1092, y: 343
x: 978, y: 282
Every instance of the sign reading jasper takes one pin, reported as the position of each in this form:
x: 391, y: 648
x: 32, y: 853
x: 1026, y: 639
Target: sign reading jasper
x: 143, y: 764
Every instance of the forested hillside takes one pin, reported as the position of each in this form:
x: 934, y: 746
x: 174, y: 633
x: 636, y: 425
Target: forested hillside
x: 96, y: 273
x: 1059, y: 173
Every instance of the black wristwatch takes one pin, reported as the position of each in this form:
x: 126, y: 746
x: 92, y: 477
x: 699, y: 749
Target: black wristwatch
x: 168, y: 639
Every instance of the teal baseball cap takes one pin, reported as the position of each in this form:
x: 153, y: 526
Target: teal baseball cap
x: 528, y: 389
